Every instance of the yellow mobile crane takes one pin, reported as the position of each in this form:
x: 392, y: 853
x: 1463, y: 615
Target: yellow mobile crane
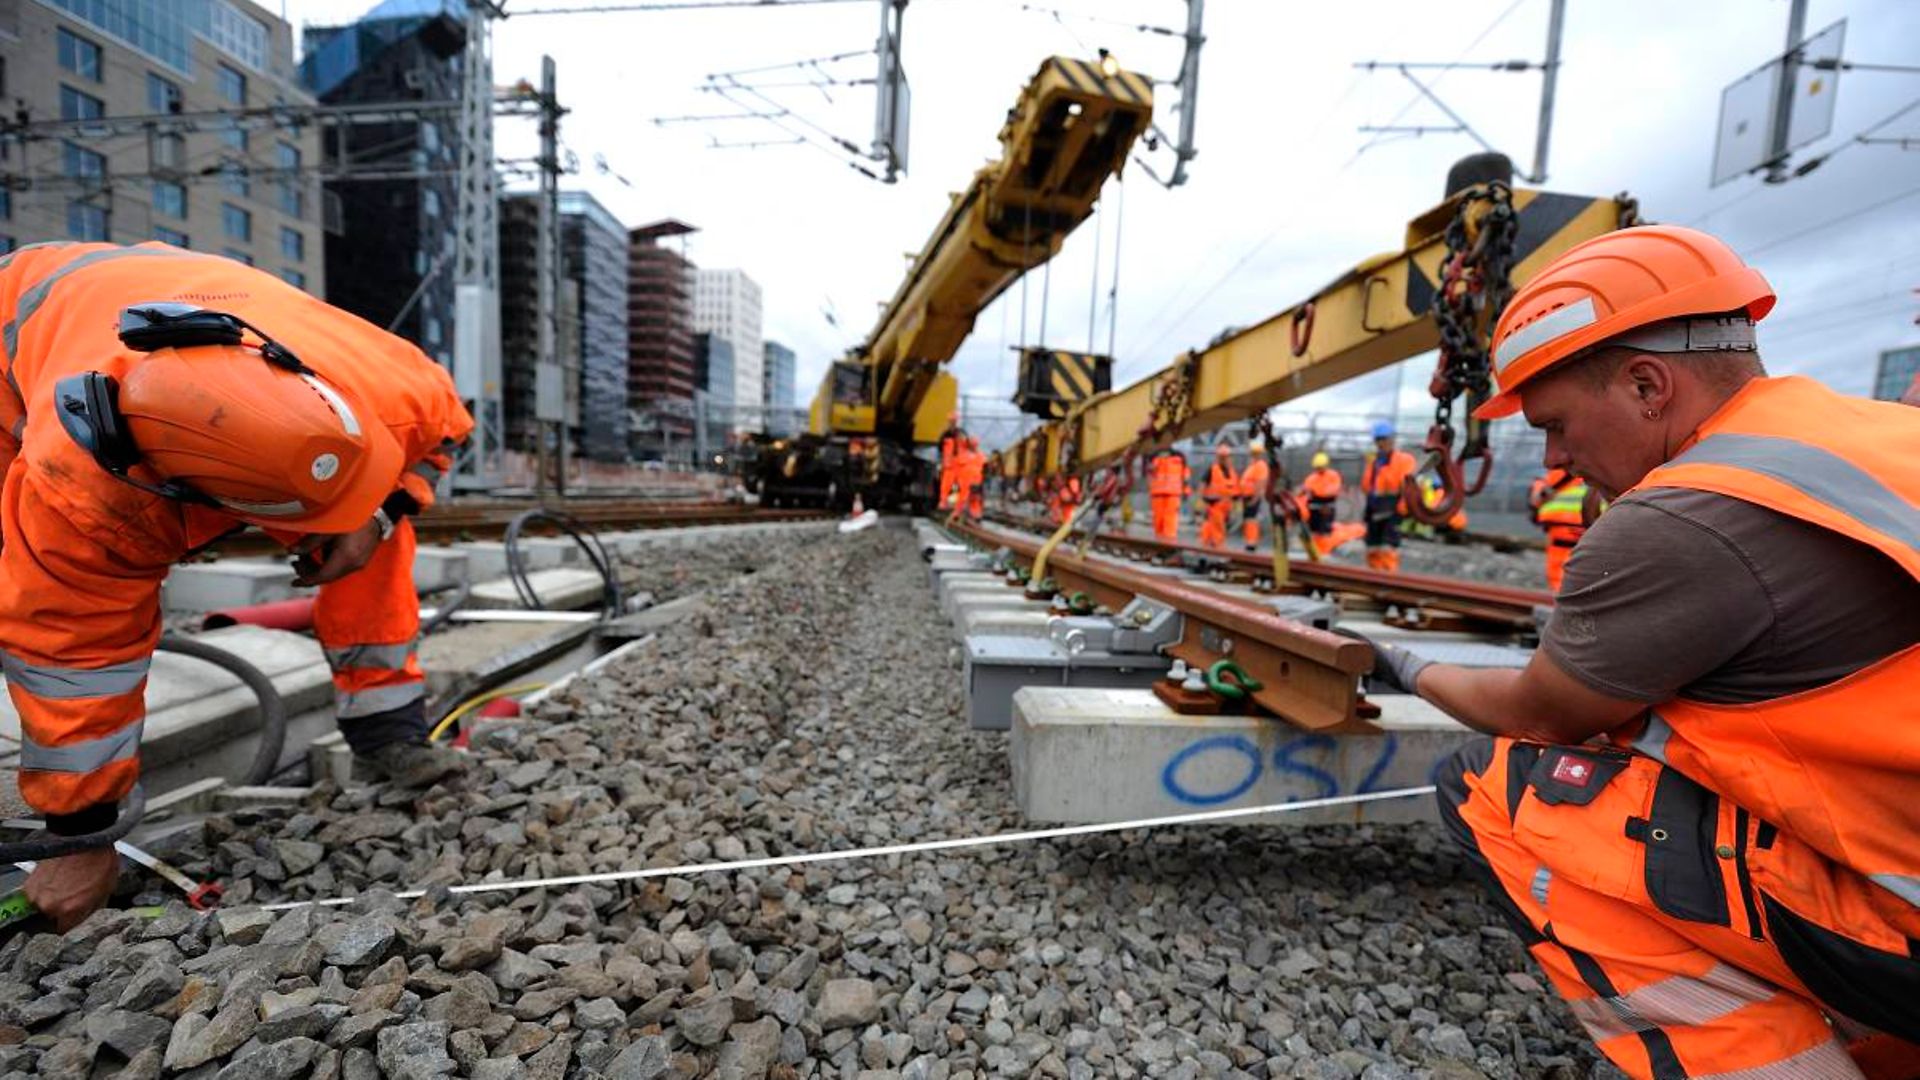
x: 1071, y: 129
x: 1445, y: 288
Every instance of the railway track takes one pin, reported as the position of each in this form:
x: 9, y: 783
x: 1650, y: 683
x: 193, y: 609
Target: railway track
x: 485, y: 519
x: 1477, y: 605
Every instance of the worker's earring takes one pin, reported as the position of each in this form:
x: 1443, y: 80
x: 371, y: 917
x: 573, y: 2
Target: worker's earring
x: 1653, y: 414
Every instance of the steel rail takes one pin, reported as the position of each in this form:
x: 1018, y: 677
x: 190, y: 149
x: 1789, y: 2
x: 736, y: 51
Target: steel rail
x: 1502, y: 607
x: 1308, y: 677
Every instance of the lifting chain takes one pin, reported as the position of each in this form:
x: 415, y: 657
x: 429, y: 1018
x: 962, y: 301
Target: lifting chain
x: 1475, y: 284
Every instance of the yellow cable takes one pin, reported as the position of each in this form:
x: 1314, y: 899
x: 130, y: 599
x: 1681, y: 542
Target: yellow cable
x: 477, y: 700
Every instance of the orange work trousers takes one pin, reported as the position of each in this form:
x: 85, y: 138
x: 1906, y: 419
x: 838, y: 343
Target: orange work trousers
x: 1250, y: 524
x: 1687, y: 937
x: 1213, y: 531
x: 369, y: 625
x: 1560, y: 542
x: 1166, y: 516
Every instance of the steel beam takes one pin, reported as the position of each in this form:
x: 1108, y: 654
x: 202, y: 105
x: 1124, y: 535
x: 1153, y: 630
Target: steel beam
x: 1309, y: 677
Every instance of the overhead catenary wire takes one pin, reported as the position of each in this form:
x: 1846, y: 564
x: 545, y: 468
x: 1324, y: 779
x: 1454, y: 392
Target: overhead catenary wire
x: 915, y: 848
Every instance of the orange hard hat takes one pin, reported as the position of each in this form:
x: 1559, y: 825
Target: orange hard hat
x: 276, y: 448
x: 1618, y: 283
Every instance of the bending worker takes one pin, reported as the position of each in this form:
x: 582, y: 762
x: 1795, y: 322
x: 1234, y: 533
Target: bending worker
x: 969, y: 472
x: 1382, y: 481
x: 1321, y: 490
x: 157, y: 400
x: 1167, y: 490
x: 1253, y: 493
x: 1559, y: 501
x: 1223, y: 487
x: 1699, y: 809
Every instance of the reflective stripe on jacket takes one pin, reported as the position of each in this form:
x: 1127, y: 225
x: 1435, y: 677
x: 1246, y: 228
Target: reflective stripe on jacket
x: 1834, y: 766
x: 1167, y: 475
x: 1561, y: 503
x: 83, y: 554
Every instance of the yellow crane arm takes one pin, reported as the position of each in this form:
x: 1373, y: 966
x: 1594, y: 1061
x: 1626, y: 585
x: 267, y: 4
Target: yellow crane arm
x: 1071, y: 129
x: 1376, y: 314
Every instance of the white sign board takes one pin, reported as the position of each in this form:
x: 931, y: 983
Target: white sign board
x: 1748, y: 107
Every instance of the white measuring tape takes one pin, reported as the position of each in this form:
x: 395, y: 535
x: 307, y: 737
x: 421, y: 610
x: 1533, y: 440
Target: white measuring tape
x: 892, y: 849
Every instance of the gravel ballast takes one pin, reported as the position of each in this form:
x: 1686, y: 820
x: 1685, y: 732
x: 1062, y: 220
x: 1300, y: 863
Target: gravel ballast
x: 816, y: 705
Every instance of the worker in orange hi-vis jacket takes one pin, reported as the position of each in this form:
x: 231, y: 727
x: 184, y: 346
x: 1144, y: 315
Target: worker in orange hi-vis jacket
x: 155, y: 400
x: 969, y: 473
x: 1223, y: 487
x: 1320, y: 491
x: 1559, y: 501
x: 1167, y: 489
x: 1382, y: 482
x: 1253, y: 493
x: 952, y: 442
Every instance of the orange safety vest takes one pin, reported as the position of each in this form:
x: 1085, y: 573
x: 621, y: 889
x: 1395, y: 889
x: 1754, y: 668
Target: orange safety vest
x: 1321, y: 486
x: 1253, y: 481
x: 1836, y: 766
x: 1222, y: 482
x: 1388, y: 479
x: 1168, y: 475
x: 84, y: 554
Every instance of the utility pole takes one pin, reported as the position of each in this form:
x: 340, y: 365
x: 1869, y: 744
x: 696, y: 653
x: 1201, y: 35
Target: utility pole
x: 1783, y: 94
x: 476, y: 340
x: 1183, y: 150
x: 1549, y: 76
x: 550, y: 391
x: 893, y: 100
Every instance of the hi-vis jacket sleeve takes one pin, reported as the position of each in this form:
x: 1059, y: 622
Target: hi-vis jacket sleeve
x: 430, y: 443
x: 79, y: 619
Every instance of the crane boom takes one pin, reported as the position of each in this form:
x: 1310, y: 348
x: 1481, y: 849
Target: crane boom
x: 1071, y: 129
x: 1376, y: 314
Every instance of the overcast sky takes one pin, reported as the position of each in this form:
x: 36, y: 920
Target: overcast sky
x: 1280, y: 199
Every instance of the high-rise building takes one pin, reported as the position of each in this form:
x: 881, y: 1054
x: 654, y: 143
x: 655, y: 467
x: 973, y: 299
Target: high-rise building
x: 777, y: 396
x: 390, y: 242
x: 590, y: 339
x: 1898, y: 373
x: 660, y: 375
x: 233, y: 191
x: 727, y: 303
x: 715, y: 367
x: 593, y: 246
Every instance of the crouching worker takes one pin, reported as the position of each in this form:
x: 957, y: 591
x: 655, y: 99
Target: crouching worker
x: 155, y: 400
x: 1699, y: 810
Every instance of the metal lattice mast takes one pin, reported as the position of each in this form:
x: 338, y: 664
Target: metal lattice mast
x: 476, y: 345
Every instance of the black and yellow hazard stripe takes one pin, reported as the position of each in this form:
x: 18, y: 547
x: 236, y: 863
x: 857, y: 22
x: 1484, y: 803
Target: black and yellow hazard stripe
x: 1072, y: 375
x: 1126, y: 86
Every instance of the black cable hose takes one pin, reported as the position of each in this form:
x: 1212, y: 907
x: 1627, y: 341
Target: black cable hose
x: 444, y: 609
x: 273, y: 710
x: 612, y: 598
x: 49, y: 846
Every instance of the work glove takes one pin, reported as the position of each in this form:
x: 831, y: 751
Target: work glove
x: 1393, y: 667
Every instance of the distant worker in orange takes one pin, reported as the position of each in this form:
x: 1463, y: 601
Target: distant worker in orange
x: 1253, y: 493
x: 1321, y: 490
x: 1387, y: 470
x: 1559, y: 501
x: 137, y: 426
x: 969, y: 473
x: 1064, y: 500
x: 952, y: 442
x: 1167, y: 489
x: 1223, y: 487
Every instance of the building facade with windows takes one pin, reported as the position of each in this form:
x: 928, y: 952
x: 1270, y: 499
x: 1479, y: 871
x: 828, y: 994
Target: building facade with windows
x: 390, y: 242
x: 246, y: 192
x: 727, y: 303
x: 1897, y: 374
x: 777, y: 395
x: 593, y: 255
x: 660, y: 360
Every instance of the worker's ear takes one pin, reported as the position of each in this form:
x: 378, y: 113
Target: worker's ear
x: 1650, y: 378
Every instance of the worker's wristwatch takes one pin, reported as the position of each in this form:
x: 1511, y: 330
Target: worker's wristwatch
x: 385, y: 521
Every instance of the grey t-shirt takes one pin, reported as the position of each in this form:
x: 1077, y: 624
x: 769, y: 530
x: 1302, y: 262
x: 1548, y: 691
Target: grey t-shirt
x: 1681, y: 593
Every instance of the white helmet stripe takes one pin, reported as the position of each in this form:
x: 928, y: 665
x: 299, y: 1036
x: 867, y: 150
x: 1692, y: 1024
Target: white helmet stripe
x: 1549, y: 327
x: 279, y: 509
x: 339, y: 404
